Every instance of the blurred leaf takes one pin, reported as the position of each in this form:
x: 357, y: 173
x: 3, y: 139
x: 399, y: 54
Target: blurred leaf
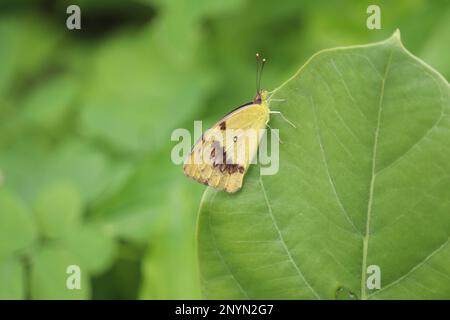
x: 363, y: 181
x: 17, y: 228
x: 23, y: 174
x: 122, y: 281
x: 197, y: 9
x: 180, y: 15
x: 92, y: 249
x: 48, y: 276
x: 174, y: 246
x: 8, y: 55
x: 49, y: 103
x: 437, y: 44
x: 139, y: 115
x: 92, y: 171
x: 37, y: 44
x: 87, y: 168
x: 12, y: 279
x: 58, y: 209
x: 135, y: 211
x: 25, y: 47
x: 135, y: 224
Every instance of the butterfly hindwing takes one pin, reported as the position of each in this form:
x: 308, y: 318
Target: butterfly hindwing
x: 222, y: 156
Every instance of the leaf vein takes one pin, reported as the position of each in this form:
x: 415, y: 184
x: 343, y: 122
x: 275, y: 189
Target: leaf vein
x: 417, y: 266
x: 324, y: 159
x: 283, y: 242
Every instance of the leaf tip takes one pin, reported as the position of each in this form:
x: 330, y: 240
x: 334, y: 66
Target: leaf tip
x: 396, y: 36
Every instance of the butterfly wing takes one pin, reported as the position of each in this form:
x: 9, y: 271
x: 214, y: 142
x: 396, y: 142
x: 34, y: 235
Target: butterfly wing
x: 222, y: 156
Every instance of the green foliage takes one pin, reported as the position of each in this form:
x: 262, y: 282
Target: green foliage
x: 58, y: 209
x: 12, y: 278
x: 47, y: 281
x: 17, y: 230
x: 363, y: 181
x: 86, y: 117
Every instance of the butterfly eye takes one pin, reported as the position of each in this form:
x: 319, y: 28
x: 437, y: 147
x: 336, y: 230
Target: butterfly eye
x: 235, y: 139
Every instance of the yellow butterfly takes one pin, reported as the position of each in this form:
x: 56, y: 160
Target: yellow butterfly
x: 221, y: 157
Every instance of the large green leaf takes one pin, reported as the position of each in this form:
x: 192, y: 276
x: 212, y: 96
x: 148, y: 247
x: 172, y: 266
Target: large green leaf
x: 364, y: 180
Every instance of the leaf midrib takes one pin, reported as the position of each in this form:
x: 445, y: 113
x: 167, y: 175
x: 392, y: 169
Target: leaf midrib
x: 372, y: 180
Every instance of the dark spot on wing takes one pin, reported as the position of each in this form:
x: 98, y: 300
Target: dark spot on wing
x: 222, y: 125
x: 224, y: 164
x: 232, y: 168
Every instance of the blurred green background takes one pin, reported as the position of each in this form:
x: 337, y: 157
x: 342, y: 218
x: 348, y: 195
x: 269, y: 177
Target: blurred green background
x: 86, y: 117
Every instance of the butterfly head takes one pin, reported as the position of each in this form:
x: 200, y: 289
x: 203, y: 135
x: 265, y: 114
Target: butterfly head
x: 261, y: 97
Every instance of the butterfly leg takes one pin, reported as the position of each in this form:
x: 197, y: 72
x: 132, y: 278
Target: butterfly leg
x: 277, y: 100
x: 284, y: 118
x: 269, y: 97
x: 279, y: 139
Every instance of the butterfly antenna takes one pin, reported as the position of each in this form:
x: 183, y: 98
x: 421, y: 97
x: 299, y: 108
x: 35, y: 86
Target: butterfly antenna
x: 259, y: 69
x: 263, y: 62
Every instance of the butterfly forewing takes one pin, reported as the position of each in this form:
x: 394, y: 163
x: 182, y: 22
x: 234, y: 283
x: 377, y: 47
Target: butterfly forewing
x: 222, y: 156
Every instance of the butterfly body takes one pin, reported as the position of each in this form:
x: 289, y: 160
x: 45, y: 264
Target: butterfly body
x: 222, y: 156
